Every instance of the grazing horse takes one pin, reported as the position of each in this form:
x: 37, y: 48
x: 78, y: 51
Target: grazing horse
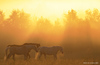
x: 19, y: 50
x: 49, y: 51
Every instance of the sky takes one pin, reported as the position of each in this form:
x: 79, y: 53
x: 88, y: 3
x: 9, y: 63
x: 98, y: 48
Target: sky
x: 48, y: 8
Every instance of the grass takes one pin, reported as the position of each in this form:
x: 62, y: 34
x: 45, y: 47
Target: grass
x: 71, y: 56
x: 42, y: 62
x: 48, y: 61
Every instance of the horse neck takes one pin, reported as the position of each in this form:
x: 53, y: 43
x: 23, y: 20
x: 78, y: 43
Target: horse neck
x: 29, y: 47
x: 60, y: 49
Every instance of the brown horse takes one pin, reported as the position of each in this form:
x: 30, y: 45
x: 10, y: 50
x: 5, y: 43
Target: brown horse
x: 20, y: 50
x: 50, y: 51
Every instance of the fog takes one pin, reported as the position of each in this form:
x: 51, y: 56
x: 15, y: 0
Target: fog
x: 79, y: 37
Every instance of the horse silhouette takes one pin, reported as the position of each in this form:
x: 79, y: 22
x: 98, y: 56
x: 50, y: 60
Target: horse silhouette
x: 20, y: 50
x: 49, y: 51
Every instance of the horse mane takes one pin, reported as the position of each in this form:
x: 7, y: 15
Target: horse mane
x: 31, y: 44
x: 24, y: 44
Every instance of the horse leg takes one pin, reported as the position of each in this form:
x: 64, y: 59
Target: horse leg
x: 25, y: 57
x: 40, y: 55
x: 14, y: 57
x: 28, y: 55
x: 45, y: 56
x: 55, y: 56
x: 9, y: 55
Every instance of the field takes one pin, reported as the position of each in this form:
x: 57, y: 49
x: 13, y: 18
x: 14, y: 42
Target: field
x: 76, y: 31
x: 79, y: 55
x: 62, y: 59
x: 50, y: 62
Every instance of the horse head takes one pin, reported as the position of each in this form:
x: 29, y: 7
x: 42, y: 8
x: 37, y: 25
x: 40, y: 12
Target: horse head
x: 61, y: 49
x: 30, y: 47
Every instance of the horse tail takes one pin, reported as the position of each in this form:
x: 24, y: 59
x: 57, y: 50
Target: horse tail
x: 5, y: 58
x: 7, y: 50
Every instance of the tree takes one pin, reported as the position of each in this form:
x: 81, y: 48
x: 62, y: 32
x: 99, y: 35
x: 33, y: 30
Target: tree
x: 93, y: 16
x: 24, y: 19
x: 71, y: 16
x: 18, y: 19
x: 13, y: 19
x: 43, y: 25
x: 70, y: 25
x: 1, y: 18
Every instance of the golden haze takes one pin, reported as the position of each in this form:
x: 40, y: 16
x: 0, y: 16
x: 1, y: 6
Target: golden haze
x: 73, y: 24
x: 51, y: 9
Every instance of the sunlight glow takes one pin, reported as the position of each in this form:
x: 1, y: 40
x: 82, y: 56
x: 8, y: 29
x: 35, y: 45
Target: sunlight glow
x: 51, y: 9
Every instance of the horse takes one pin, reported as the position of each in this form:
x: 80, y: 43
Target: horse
x: 19, y: 50
x: 49, y: 51
x: 36, y: 44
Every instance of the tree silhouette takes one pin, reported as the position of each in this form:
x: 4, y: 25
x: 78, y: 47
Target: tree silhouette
x: 70, y: 24
x: 93, y: 16
x: 43, y: 25
x: 13, y: 19
x: 72, y: 15
x: 92, y: 28
x: 92, y: 19
x: 24, y: 19
x: 1, y: 18
x: 58, y: 27
x: 18, y: 19
x: 17, y: 24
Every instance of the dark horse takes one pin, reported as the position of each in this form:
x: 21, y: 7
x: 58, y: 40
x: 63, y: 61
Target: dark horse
x: 21, y: 50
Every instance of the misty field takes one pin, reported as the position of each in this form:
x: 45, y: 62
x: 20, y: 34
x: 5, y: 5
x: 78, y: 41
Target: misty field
x: 79, y: 37
x: 43, y: 62
x: 50, y: 61
x: 68, y: 58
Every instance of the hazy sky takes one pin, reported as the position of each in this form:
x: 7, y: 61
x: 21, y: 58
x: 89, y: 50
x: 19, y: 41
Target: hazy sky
x: 48, y: 8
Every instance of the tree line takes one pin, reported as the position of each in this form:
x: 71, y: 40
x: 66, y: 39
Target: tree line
x: 74, y: 28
